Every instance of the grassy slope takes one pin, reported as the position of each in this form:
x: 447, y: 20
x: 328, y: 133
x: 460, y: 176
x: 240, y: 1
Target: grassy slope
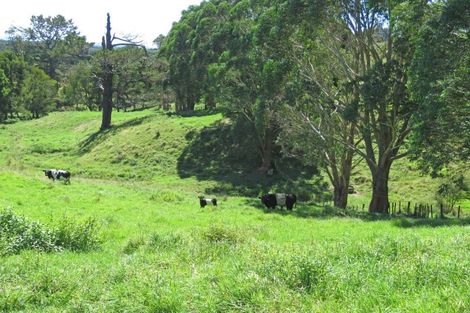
x: 162, y: 253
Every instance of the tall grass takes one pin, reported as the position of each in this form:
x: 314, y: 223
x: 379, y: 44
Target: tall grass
x: 18, y: 233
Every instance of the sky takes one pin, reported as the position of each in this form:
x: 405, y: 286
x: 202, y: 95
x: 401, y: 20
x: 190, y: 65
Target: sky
x: 144, y: 18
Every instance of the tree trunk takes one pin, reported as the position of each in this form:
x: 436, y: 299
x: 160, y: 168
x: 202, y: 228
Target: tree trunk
x: 379, y: 202
x: 107, y: 102
x: 340, y: 195
x: 266, y: 153
x: 266, y: 158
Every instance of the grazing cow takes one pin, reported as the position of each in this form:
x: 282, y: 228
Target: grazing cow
x: 270, y: 200
x: 203, y: 201
x: 58, y: 174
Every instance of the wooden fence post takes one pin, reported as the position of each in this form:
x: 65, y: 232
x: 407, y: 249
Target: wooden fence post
x: 458, y: 212
x: 442, y: 210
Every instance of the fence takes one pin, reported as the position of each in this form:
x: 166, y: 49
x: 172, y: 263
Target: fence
x: 418, y: 210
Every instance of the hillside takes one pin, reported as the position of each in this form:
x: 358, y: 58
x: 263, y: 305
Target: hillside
x: 153, y: 146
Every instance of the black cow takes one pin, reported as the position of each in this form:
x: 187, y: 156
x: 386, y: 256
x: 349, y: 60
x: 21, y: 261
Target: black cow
x: 203, y: 201
x: 58, y: 174
x: 270, y: 200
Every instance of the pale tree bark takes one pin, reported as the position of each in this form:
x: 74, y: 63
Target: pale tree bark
x: 383, y: 127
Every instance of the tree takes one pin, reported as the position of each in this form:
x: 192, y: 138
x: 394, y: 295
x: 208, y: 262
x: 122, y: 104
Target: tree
x: 192, y: 44
x: 38, y: 92
x: 133, y: 76
x: 248, y: 78
x: 12, y: 75
x: 107, y: 68
x: 81, y: 86
x: 373, y: 49
x: 319, y: 121
x: 451, y: 189
x: 439, y: 82
x: 4, y: 93
x: 51, y: 42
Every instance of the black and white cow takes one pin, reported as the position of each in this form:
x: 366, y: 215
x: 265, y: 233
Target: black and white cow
x: 205, y: 201
x: 270, y: 200
x: 58, y: 174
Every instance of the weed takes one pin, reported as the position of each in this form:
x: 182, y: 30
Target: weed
x: 222, y: 234
x: 17, y: 233
x: 133, y: 245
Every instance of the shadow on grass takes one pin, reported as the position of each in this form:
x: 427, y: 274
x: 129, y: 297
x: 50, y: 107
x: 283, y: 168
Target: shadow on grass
x: 195, y: 113
x: 227, y: 154
x: 100, y: 136
x: 310, y: 210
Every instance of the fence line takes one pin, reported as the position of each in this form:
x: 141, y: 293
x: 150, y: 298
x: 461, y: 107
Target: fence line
x: 418, y: 210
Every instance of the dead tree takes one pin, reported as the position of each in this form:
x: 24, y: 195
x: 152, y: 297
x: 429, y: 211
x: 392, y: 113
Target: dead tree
x: 108, y: 44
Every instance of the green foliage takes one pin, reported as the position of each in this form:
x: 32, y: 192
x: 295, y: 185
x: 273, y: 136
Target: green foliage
x: 451, y: 190
x: 221, y: 234
x: 12, y: 75
x: 81, y: 86
x: 133, y: 245
x: 53, y: 42
x: 38, y: 92
x: 17, y: 233
x: 192, y: 45
x: 439, y: 80
x: 77, y: 236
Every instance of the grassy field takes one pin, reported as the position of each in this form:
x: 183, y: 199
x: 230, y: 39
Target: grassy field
x: 159, y: 252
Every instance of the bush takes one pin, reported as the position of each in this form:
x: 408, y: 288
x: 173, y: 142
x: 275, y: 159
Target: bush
x: 221, y: 234
x: 17, y: 233
x: 75, y: 236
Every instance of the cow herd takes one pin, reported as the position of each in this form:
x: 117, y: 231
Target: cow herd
x: 270, y: 200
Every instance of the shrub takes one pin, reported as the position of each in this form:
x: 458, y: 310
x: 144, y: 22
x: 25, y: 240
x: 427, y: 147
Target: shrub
x: 222, y: 234
x: 77, y: 236
x: 17, y: 233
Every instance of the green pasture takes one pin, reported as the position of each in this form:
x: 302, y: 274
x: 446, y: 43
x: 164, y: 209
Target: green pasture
x: 160, y: 252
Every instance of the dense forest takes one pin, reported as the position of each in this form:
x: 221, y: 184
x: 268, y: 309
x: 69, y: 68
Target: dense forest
x: 329, y: 84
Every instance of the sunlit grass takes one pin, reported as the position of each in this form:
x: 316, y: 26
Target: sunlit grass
x: 160, y: 252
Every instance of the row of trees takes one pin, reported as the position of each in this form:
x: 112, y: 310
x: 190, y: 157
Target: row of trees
x: 49, y: 65
x: 332, y: 83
